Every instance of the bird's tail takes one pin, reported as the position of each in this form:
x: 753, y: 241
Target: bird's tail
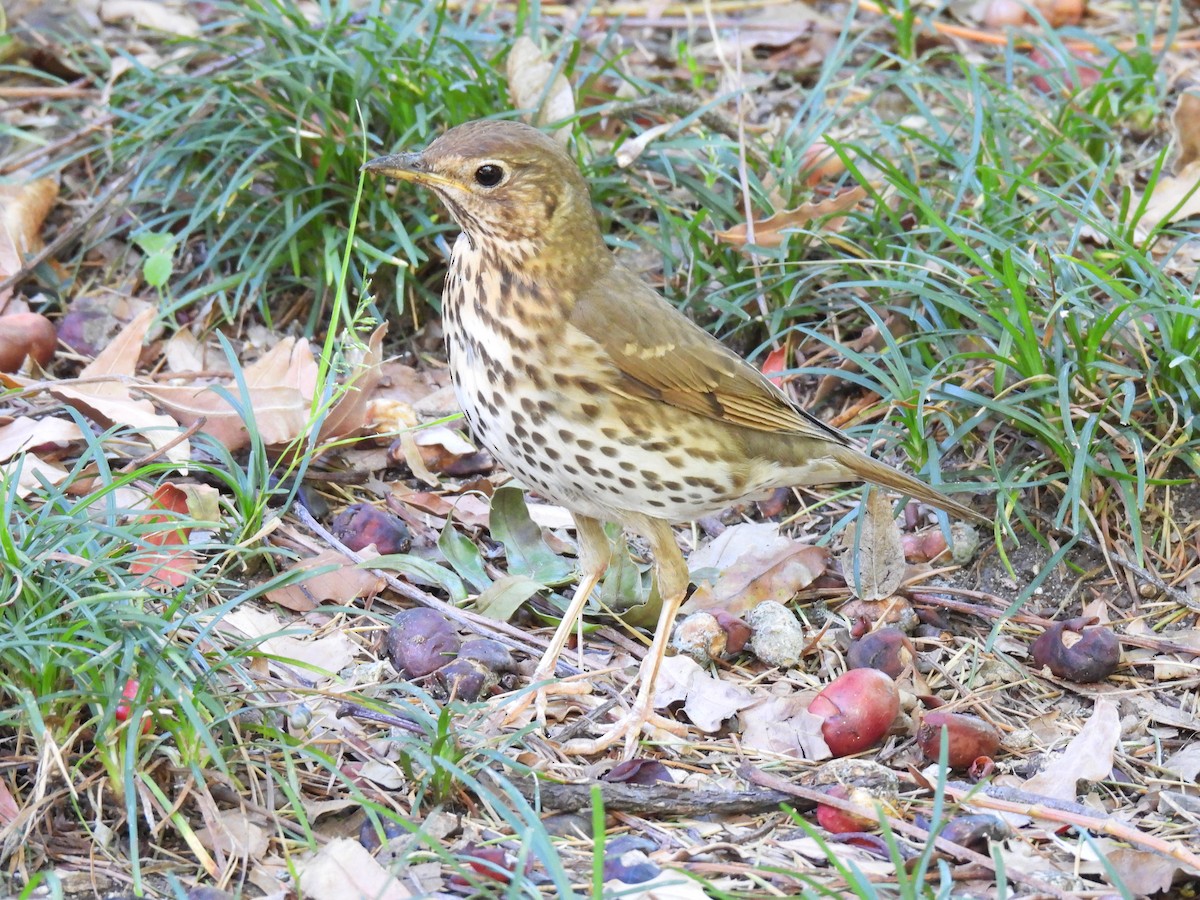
x: 868, y: 469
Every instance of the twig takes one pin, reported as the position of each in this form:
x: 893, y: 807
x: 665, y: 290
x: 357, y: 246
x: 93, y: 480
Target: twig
x: 765, y: 779
x: 1039, y: 807
x: 660, y: 799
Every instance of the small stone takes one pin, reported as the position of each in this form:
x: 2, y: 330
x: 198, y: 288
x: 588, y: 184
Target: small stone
x: 777, y: 637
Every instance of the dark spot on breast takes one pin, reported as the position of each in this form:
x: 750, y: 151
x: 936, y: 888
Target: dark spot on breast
x: 628, y: 466
x: 520, y: 431
x: 657, y: 446
x: 585, y: 444
x: 628, y: 482
x: 650, y: 476
x: 672, y: 486
x: 586, y: 465
x: 656, y: 503
x: 566, y: 436
x: 675, y: 461
x: 551, y: 453
x: 609, y: 450
x: 591, y: 410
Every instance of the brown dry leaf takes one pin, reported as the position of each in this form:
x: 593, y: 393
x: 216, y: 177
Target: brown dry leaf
x: 784, y: 725
x: 24, y: 433
x: 32, y: 471
x: 185, y: 354
x: 1088, y: 757
x: 533, y: 84
x: 280, y: 385
x: 1142, y: 872
x: 343, y: 868
x: 708, y: 701
x: 341, y: 585
x: 754, y: 564
x: 102, y: 391
x: 349, y: 415
x: 231, y: 833
x: 1178, y: 190
x: 23, y: 209
x: 872, y: 552
x: 772, y: 232
x: 780, y: 25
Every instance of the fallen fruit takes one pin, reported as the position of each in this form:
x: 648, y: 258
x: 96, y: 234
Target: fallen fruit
x: 887, y: 650
x: 969, y: 737
x: 858, y: 707
x: 421, y: 641
x: 26, y: 335
x: 1091, y: 657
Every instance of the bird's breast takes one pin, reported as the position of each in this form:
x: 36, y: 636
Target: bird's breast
x: 546, y: 401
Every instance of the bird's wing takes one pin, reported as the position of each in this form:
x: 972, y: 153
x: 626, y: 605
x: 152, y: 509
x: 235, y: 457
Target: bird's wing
x: 663, y: 355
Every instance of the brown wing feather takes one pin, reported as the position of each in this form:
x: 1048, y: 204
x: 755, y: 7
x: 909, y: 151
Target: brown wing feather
x: 640, y: 331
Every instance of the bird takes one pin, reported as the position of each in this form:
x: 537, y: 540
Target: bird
x: 590, y: 388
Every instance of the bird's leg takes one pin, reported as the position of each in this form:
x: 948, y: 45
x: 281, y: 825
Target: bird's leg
x: 672, y: 575
x: 594, y: 553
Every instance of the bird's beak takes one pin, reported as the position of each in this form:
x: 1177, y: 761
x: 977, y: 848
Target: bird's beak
x: 407, y: 167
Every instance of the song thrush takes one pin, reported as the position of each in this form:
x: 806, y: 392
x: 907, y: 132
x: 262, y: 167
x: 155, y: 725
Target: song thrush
x: 591, y: 389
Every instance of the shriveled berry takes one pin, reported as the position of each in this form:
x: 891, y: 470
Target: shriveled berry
x: 421, y: 641
x: 1091, y: 657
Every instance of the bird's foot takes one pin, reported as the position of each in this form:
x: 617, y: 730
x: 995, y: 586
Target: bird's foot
x: 512, y: 708
x: 629, y: 727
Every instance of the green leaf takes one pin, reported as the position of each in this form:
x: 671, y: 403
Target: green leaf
x: 156, y: 270
x: 420, y: 570
x: 527, y: 552
x: 156, y: 243
x: 464, y: 557
x: 505, y: 596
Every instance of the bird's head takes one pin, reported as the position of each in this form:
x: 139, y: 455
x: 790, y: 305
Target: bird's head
x: 509, y: 186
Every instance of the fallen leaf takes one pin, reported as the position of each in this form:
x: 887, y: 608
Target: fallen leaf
x: 102, y: 391
x: 533, y: 84
x: 30, y: 472
x: 349, y: 415
x: 23, y: 209
x: 152, y: 14
x: 279, y: 387
x: 329, y: 653
x: 872, y: 550
x: 343, y: 869
x: 774, y: 231
x: 784, y: 725
x: 711, y: 701
x: 171, y: 564
x: 754, y: 566
x: 231, y: 833
x: 344, y: 583
x: 1143, y: 873
x: 1175, y: 197
x: 667, y: 885
x: 1088, y: 757
x: 24, y: 433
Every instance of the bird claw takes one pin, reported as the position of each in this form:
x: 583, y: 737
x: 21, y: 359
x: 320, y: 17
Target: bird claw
x: 511, y: 711
x: 630, y: 728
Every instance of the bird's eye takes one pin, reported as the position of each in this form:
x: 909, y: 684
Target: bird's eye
x: 488, y: 175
